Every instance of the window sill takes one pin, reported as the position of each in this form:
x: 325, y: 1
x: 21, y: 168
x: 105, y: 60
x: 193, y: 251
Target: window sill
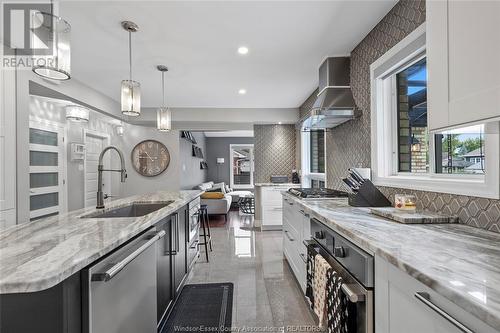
x: 469, y: 186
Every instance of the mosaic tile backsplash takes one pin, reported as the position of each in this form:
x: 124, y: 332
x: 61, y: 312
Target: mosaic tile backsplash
x: 274, y: 147
x: 349, y: 144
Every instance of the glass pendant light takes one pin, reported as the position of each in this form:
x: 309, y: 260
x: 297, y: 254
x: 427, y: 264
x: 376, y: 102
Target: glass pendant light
x: 77, y: 113
x: 131, y: 90
x: 163, y: 115
x: 53, y: 55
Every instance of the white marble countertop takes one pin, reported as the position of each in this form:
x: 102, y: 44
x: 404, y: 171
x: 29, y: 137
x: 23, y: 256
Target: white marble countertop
x: 277, y: 184
x: 459, y: 262
x: 38, y: 255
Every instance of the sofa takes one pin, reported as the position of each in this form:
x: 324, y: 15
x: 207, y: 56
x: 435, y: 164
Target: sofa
x: 223, y: 205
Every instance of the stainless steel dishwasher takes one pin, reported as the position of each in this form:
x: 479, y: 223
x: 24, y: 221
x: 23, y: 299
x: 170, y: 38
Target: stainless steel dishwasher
x: 120, y: 289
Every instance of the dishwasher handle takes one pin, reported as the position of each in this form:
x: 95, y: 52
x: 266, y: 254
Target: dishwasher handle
x: 116, y: 268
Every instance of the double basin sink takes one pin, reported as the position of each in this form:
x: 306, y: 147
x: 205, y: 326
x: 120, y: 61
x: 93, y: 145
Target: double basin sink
x: 132, y: 210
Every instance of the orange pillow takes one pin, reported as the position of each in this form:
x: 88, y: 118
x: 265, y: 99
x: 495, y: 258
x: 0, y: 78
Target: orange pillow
x: 212, y: 195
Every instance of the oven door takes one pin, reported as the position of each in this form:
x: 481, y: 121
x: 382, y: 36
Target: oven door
x: 356, y: 293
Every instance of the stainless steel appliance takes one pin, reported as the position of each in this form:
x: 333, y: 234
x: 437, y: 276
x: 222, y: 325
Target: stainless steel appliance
x: 354, y: 265
x: 193, y: 236
x: 317, y: 193
x: 120, y: 290
x: 335, y: 104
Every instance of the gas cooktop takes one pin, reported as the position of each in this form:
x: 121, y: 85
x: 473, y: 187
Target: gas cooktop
x: 317, y: 193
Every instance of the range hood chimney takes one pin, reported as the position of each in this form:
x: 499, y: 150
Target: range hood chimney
x: 335, y: 104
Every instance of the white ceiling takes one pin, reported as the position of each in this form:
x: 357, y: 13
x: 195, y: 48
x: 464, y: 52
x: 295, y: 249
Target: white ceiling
x: 198, y: 41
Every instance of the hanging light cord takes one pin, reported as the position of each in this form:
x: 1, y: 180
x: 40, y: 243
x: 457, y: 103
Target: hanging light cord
x: 163, y: 87
x: 130, y: 53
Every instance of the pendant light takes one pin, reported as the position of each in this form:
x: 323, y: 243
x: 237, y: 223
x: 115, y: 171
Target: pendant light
x: 131, y: 90
x: 77, y: 113
x: 56, y: 66
x: 163, y: 115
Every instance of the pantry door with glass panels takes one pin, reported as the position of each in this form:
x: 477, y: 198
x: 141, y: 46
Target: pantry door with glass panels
x: 47, y: 170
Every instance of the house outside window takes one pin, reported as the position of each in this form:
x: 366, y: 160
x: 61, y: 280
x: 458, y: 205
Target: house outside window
x: 404, y: 154
x: 313, y: 159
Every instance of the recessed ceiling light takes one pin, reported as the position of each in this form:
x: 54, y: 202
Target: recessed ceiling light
x: 279, y: 122
x: 242, y: 91
x: 243, y: 50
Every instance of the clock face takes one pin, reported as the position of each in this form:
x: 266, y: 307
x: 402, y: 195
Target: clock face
x: 150, y: 158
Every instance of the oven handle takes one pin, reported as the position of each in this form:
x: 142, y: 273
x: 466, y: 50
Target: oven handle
x: 347, y: 289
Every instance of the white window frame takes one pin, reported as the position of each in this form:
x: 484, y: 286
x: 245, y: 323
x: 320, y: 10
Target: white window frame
x: 307, y: 175
x: 252, y: 167
x: 384, y: 148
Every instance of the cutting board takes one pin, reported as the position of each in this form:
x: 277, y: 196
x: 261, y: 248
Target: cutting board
x: 418, y: 217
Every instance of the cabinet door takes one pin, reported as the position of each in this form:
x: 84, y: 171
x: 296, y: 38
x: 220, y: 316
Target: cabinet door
x: 474, y: 66
x: 164, y: 292
x: 179, y: 243
x: 463, y: 48
x: 397, y: 309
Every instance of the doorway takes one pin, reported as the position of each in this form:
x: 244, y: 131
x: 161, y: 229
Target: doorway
x: 242, y: 166
x: 95, y: 142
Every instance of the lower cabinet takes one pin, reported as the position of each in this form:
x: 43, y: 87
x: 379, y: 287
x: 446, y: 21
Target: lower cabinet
x: 172, y: 262
x: 296, y: 229
x: 403, y: 304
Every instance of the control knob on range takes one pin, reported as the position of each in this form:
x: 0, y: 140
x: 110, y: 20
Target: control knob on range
x: 319, y: 234
x: 339, y: 252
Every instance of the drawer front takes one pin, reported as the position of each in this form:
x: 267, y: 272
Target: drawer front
x: 292, y: 246
x: 272, y: 216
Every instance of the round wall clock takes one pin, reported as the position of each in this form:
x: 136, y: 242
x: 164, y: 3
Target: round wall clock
x: 150, y: 158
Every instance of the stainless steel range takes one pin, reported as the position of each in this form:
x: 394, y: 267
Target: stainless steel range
x: 317, y: 193
x: 354, y: 265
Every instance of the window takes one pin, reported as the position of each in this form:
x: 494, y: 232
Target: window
x: 313, y: 159
x: 461, y: 151
x: 412, y: 134
x: 404, y: 154
x: 242, y: 167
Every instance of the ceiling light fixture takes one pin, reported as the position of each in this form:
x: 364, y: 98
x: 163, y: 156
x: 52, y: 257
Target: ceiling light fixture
x: 131, y: 90
x: 77, y: 113
x: 242, y: 91
x: 243, y: 50
x: 163, y: 115
x: 56, y: 65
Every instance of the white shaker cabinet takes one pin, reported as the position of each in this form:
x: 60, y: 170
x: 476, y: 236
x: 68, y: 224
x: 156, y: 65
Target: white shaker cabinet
x: 463, y: 52
x: 271, y: 207
x: 398, y: 309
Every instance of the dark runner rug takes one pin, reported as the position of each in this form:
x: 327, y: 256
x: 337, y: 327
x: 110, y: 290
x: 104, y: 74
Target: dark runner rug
x: 202, y: 308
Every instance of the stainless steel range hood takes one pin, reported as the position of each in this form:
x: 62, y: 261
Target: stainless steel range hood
x: 334, y: 104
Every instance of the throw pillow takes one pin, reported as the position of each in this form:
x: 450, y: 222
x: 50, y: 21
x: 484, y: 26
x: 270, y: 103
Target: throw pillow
x: 212, y: 195
x: 220, y: 186
x: 228, y: 189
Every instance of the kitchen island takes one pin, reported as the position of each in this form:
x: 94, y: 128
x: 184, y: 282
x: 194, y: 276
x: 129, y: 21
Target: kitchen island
x: 41, y: 262
x: 457, y: 264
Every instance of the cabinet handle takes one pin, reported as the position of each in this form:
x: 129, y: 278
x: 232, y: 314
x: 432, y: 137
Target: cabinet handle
x: 116, y: 268
x: 195, y: 245
x: 426, y: 299
x: 304, y: 213
x: 303, y: 257
x: 288, y: 236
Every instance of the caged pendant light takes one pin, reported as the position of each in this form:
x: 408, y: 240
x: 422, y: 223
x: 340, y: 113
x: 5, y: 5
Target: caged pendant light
x: 163, y: 115
x: 131, y: 90
x: 53, y: 54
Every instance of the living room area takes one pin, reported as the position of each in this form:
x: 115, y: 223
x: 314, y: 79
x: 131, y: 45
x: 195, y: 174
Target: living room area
x: 234, y: 167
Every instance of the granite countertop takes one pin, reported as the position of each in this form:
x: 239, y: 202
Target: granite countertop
x: 459, y: 262
x: 276, y: 184
x: 38, y: 255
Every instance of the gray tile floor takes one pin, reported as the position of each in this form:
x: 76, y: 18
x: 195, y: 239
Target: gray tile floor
x: 265, y: 292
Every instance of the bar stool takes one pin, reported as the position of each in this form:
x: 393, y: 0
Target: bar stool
x: 205, y: 224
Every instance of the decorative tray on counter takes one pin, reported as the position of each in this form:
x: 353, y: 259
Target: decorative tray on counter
x: 418, y: 217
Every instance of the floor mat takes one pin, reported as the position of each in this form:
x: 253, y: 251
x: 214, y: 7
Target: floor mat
x: 202, y: 307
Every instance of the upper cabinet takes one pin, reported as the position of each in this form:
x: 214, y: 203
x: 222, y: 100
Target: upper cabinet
x: 463, y: 59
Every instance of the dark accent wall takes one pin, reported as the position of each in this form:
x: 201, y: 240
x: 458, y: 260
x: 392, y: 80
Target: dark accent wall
x: 219, y: 147
x: 274, y: 151
x: 349, y: 144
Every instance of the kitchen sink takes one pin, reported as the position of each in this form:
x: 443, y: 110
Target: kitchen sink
x: 133, y: 210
